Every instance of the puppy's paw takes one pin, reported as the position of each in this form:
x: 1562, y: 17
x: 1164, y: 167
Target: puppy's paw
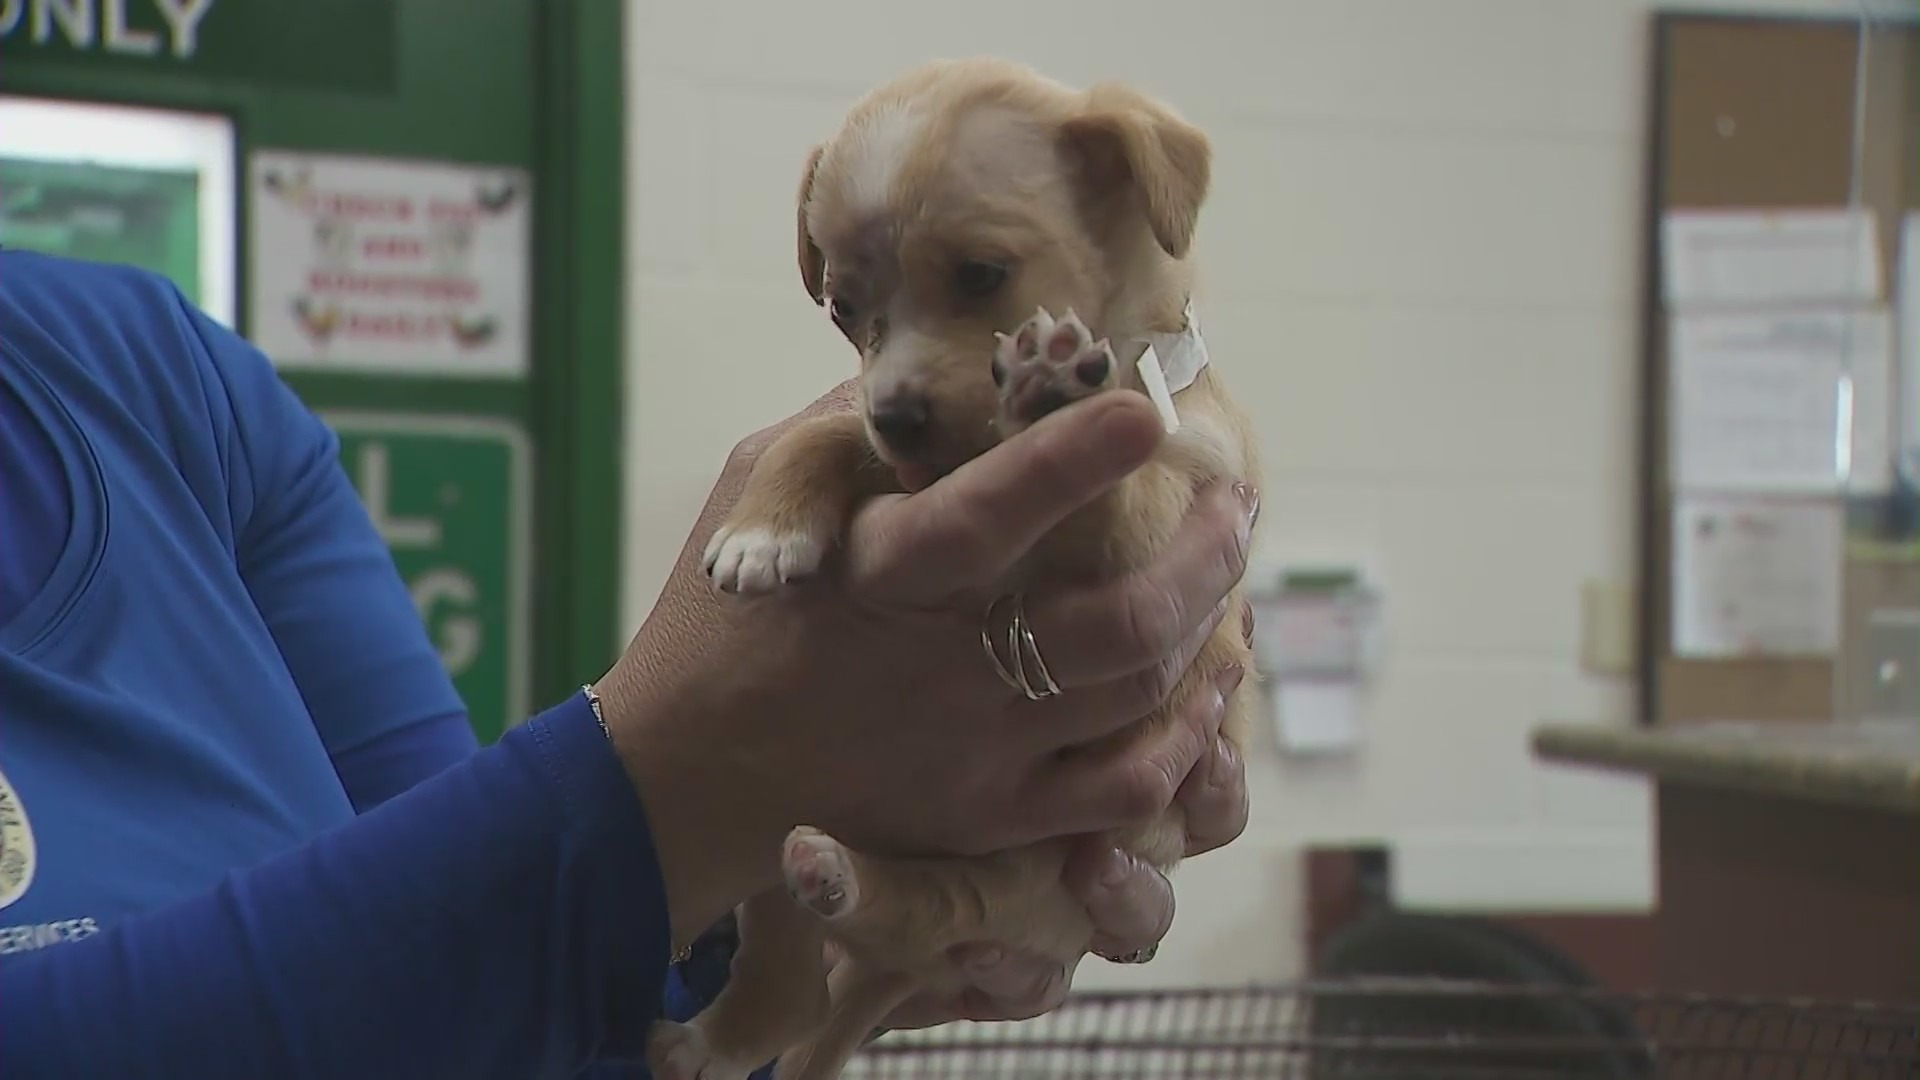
x: 1046, y: 365
x: 820, y: 873
x: 755, y: 558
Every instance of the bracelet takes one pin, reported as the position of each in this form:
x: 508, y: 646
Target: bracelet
x: 593, y: 702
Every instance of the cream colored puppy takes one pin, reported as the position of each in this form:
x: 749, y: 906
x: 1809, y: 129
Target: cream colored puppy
x: 996, y: 246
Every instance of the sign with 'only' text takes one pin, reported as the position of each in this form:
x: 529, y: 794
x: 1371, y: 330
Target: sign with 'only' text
x: 169, y: 27
x: 451, y: 496
x: 347, y: 45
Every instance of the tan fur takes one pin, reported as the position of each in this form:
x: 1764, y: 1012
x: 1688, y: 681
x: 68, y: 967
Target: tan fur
x: 812, y: 263
x: 1093, y: 197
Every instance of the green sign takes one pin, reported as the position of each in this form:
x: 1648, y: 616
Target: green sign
x: 450, y: 496
x: 335, y: 44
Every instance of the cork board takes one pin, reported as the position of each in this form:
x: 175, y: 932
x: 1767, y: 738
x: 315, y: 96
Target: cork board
x: 1729, y: 132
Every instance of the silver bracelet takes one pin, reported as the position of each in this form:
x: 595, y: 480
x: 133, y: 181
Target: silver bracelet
x: 593, y: 702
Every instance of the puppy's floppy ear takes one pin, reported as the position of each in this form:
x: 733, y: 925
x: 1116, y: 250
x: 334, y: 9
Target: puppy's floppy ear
x: 813, y: 264
x: 1124, y: 139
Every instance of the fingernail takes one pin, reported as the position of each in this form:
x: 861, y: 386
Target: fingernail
x: 1119, y: 865
x: 1250, y: 500
x: 1230, y: 678
x: 1220, y: 765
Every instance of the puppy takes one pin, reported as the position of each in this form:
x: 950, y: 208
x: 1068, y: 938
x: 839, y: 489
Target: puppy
x: 996, y: 246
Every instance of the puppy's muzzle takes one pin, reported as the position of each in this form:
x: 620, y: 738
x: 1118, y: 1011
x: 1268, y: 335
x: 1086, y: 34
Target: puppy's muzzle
x: 904, y: 420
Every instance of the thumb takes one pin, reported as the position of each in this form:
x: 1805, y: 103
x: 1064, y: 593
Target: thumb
x: 967, y: 529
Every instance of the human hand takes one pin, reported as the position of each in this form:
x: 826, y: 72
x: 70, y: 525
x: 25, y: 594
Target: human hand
x: 738, y: 721
x: 1131, y: 903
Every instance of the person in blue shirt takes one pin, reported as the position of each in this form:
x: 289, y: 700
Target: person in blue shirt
x: 245, y: 829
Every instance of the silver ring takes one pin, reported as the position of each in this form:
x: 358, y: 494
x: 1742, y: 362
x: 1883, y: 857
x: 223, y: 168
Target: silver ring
x: 1137, y: 956
x: 1031, y: 652
x: 1022, y: 651
x: 993, y: 654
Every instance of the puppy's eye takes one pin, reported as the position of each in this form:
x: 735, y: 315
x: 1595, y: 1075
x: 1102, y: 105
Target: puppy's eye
x: 843, y: 315
x: 978, y: 278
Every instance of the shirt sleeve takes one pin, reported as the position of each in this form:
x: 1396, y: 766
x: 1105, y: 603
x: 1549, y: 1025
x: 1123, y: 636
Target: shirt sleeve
x: 323, y: 580
x: 504, y: 919
x: 377, y: 769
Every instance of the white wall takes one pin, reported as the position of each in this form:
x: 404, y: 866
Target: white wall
x: 1421, y: 257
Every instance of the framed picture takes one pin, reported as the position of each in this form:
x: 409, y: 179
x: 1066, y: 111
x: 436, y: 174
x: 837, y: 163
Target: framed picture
x: 143, y: 187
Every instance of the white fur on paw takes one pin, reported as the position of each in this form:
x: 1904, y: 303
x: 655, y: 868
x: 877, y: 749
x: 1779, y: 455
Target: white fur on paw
x: 819, y: 874
x: 681, y: 1052
x: 757, y: 560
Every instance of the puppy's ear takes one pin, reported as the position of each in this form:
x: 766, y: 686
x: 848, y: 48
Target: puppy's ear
x: 813, y: 264
x: 1124, y: 140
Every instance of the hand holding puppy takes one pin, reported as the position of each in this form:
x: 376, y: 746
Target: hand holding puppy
x: 737, y: 724
x: 1130, y: 902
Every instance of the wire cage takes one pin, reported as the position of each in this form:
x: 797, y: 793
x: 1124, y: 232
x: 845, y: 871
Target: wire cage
x: 1402, y: 1029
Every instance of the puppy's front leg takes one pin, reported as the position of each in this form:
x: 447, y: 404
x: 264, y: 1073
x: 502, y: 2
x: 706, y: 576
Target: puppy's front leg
x: 775, y: 998
x: 796, y: 504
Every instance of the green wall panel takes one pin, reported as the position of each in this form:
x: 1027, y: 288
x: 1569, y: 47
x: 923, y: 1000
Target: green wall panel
x: 528, y: 83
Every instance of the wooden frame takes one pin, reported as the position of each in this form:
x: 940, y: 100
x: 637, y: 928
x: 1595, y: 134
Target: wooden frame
x: 1794, y: 150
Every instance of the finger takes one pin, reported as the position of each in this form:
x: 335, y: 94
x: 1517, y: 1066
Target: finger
x: 1086, y: 715
x: 1215, y: 799
x: 998, y: 983
x: 1130, y: 903
x: 914, y: 477
x: 1247, y: 623
x: 1127, y: 783
x: 972, y: 525
x: 1008, y: 984
x: 1106, y: 632
x: 1039, y: 1000
x: 925, y: 1011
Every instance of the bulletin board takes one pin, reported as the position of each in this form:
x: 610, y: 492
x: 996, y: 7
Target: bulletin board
x: 1760, y: 114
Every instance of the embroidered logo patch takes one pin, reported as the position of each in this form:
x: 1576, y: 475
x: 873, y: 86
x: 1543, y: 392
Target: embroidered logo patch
x: 16, y: 845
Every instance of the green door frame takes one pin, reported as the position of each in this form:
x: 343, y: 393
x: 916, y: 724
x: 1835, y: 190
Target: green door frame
x: 580, y: 226
x: 572, y: 403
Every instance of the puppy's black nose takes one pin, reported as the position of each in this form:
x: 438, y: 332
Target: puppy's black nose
x: 902, y: 419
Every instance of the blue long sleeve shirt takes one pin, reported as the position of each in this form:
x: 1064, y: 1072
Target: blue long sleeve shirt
x: 244, y: 827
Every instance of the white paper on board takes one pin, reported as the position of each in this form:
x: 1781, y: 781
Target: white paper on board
x: 390, y: 267
x: 1907, y: 370
x: 1766, y: 258
x: 1317, y: 716
x: 1756, y: 577
x: 1780, y: 402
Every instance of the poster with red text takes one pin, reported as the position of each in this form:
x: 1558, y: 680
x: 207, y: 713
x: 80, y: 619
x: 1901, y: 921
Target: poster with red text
x: 384, y: 267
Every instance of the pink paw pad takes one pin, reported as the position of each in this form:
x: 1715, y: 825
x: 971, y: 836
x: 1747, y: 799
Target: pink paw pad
x: 819, y: 874
x: 1046, y: 365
